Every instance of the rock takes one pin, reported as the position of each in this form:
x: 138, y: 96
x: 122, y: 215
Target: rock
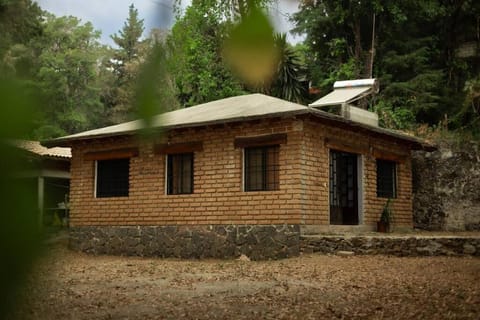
x: 469, y: 249
x: 398, y: 246
x: 345, y: 253
x: 446, y: 184
x: 243, y: 258
x: 255, y: 242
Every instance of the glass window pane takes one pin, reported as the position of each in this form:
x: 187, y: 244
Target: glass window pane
x: 180, y: 173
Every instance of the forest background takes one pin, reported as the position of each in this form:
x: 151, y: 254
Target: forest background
x: 426, y: 55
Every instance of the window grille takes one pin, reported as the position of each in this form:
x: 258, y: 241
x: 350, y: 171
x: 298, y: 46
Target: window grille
x: 261, y: 168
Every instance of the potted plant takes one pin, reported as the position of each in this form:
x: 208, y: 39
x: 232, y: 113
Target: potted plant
x: 386, y: 218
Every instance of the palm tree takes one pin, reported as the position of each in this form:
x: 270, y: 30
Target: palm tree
x: 289, y: 82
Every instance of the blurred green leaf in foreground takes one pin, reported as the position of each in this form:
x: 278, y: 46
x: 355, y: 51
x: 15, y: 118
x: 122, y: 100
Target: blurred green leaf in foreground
x: 250, y: 48
x: 19, y: 229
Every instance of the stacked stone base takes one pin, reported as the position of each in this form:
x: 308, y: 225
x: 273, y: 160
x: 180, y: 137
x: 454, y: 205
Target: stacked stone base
x: 258, y: 242
x: 393, y: 245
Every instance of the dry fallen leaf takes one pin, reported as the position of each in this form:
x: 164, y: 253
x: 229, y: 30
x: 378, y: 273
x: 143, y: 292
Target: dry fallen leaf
x: 70, y: 285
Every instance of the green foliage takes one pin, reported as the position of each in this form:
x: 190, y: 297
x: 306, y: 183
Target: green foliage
x: 124, y: 65
x: 394, y: 118
x: 212, y: 37
x: 387, y: 212
x: 336, y: 34
x: 19, y: 234
x: 56, y: 58
x: 250, y: 49
x: 154, y: 92
x: 67, y: 76
x: 289, y: 81
x: 344, y: 71
x: 128, y: 38
x: 468, y: 117
x: 415, y: 49
x: 229, y: 10
x: 19, y: 23
x: 407, y: 64
x: 194, y: 55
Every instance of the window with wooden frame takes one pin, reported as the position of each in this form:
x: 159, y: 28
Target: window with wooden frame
x: 180, y: 173
x: 386, y: 179
x: 261, y: 168
x: 112, y: 178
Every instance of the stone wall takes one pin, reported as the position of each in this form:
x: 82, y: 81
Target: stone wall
x: 258, y: 242
x: 393, y: 245
x: 447, y: 188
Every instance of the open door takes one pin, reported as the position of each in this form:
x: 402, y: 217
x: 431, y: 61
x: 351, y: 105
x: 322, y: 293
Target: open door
x: 343, y: 188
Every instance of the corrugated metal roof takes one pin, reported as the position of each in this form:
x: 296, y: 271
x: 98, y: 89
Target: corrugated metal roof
x: 36, y: 148
x: 234, y: 109
x: 340, y: 96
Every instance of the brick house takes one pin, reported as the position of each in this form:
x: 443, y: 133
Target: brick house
x: 246, y: 174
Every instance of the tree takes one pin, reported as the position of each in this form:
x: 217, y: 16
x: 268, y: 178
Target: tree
x: 20, y: 22
x: 289, y: 80
x: 413, y: 44
x: 468, y: 116
x: 128, y: 38
x: 125, y: 62
x: 337, y: 34
x: 409, y: 65
x: 195, y: 55
x: 229, y: 9
x: 67, y: 76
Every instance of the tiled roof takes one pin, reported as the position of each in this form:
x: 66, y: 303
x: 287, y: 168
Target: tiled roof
x: 36, y: 148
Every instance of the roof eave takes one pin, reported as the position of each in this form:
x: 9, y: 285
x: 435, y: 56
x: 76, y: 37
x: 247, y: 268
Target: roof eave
x: 67, y: 142
x: 415, y: 143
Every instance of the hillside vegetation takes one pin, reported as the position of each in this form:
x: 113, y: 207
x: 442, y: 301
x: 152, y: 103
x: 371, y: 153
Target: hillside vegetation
x: 424, y: 53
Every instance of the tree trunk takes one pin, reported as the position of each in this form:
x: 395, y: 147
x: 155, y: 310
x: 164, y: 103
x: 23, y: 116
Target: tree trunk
x: 358, y: 40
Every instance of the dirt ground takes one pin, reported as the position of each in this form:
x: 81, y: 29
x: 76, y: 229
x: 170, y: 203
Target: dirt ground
x: 72, y: 285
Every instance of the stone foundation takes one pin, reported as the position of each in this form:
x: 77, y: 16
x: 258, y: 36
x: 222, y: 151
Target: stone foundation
x: 258, y: 242
x: 393, y: 245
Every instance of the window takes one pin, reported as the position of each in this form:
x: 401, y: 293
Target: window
x: 386, y: 179
x: 180, y: 173
x: 112, y: 178
x: 261, y: 168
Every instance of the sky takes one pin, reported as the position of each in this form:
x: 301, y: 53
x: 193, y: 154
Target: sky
x: 108, y: 16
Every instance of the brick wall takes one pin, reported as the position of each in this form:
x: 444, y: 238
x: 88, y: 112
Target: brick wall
x: 218, y: 196
x: 402, y: 204
x: 315, y: 152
